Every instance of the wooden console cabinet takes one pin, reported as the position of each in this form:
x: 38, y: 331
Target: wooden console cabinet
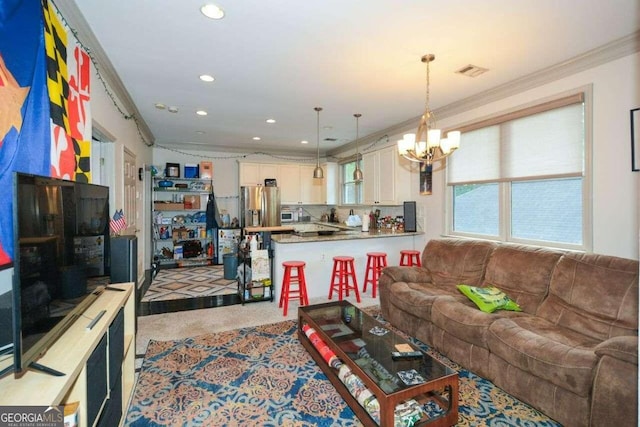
x: 98, y: 364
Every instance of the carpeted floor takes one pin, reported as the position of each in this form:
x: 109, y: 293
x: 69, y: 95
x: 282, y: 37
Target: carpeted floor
x: 192, y: 282
x: 262, y: 376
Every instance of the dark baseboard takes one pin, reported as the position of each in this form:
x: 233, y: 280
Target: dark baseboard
x: 184, y: 304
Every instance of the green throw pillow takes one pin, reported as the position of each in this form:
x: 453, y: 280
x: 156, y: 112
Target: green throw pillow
x: 489, y: 299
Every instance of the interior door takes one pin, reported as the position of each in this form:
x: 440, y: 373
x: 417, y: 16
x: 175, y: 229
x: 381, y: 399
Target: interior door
x: 132, y: 206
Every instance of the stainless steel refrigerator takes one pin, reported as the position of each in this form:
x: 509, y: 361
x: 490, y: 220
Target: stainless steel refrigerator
x: 259, y: 206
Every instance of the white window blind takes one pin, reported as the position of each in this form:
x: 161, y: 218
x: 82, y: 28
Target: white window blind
x: 546, y: 144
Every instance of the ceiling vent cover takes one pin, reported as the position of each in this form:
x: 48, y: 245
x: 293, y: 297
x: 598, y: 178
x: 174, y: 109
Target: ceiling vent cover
x: 472, y: 70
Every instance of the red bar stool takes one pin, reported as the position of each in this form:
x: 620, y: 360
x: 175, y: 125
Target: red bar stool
x: 343, y: 270
x: 287, y: 293
x: 410, y: 257
x: 376, y: 261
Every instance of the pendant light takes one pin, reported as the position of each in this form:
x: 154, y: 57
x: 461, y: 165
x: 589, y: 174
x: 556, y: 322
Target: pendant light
x: 318, y: 172
x: 357, y: 174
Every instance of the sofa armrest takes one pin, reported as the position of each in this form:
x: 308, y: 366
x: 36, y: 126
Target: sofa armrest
x: 614, y: 395
x: 406, y: 274
x: 624, y: 348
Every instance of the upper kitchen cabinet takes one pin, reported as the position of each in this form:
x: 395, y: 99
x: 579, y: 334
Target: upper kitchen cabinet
x: 255, y: 173
x: 289, y: 183
x: 387, y: 180
x: 296, y: 182
x: 330, y: 184
x: 310, y: 188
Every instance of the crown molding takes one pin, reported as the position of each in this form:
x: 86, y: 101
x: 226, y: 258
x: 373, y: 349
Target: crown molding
x: 107, y: 72
x: 616, y: 49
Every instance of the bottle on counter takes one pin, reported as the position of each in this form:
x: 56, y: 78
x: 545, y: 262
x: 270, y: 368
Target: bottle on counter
x: 365, y: 222
x: 253, y: 244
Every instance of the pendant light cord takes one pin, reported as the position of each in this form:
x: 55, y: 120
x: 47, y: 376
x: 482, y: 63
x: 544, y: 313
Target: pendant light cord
x: 318, y: 109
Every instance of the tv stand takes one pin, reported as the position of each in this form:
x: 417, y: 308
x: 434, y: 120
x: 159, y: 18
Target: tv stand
x: 92, y: 367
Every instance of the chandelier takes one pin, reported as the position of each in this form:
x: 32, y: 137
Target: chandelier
x: 426, y: 145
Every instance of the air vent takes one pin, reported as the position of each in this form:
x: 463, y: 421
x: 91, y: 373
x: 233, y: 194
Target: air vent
x: 330, y: 139
x: 472, y: 70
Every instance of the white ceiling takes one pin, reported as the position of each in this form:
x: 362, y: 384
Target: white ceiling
x: 280, y: 59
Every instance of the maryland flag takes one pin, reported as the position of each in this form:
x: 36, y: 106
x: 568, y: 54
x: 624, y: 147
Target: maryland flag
x: 68, y: 71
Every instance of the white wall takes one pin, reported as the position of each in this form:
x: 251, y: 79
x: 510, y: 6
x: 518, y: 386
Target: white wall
x: 123, y: 133
x: 616, y: 90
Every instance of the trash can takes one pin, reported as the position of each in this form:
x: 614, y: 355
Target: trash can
x: 230, y: 266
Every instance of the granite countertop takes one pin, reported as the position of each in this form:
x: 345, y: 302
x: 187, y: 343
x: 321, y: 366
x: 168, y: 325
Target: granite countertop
x: 353, y: 234
x: 278, y: 228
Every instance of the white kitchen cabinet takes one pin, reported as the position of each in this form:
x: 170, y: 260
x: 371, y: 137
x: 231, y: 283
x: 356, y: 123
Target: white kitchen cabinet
x: 302, y: 188
x: 296, y: 182
x: 330, y: 192
x: 310, y: 187
x: 386, y: 178
x: 289, y: 183
x: 255, y: 173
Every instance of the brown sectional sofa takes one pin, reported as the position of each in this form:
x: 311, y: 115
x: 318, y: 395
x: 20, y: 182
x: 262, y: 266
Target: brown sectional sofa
x: 572, y: 352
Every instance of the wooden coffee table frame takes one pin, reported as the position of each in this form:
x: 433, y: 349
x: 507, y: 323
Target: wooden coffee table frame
x: 443, y: 391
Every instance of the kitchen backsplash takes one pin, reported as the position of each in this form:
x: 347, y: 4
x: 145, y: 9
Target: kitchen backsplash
x: 315, y: 213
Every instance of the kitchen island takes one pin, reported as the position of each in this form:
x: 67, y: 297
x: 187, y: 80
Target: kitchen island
x: 317, y: 251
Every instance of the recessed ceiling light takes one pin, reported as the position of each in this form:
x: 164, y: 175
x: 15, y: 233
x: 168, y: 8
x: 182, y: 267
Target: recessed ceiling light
x: 201, y: 113
x: 173, y: 109
x: 270, y: 120
x: 256, y: 138
x: 212, y: 11
x: 160, y: 106
x: 207, y: 78
x: 200, y: 132
x: 304, y: 142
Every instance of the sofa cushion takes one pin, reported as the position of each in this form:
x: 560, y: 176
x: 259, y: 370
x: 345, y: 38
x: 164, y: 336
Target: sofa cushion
x: 554, y: 353
x: 595, y: 295
x: 463, y: 320
x: 522, y: 272
x: 489, y: 298
x: 454, y: 261
x: 417, y: 298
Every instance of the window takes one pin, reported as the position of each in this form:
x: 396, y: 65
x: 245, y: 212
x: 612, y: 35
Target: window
x: 351, y: 190
x: 521, y: 177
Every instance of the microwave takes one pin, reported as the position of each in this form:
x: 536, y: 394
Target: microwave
x: 288, y: 216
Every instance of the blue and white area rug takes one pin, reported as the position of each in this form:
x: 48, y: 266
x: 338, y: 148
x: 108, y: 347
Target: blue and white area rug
x: 262, y: 376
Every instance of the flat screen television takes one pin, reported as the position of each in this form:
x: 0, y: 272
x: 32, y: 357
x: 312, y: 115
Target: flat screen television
x: 61, y: 237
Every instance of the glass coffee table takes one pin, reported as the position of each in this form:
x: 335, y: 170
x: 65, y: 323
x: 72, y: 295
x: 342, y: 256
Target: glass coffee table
x: 356, y: 353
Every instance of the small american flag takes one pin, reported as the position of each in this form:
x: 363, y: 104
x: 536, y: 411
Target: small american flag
x: 118, y: 222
